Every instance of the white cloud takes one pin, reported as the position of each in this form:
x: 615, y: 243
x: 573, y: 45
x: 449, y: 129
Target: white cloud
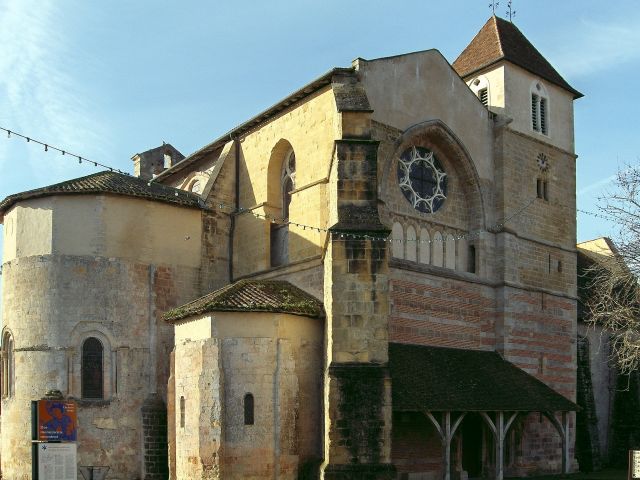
x: 597, y: 185
x: 38, y: 94
x: 593, y: 46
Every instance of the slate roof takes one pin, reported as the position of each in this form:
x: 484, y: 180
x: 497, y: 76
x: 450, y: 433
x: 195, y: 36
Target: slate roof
x: 449, y: 379
x: 502, y: 40
x: 109, y: 182
x: 252, y: 296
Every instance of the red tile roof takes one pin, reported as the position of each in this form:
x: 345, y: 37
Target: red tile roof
x: 109, y: 182
x: 502, y: 40
x: 252, y: 296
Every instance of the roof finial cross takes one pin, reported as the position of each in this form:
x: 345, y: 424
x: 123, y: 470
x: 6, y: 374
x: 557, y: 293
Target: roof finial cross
x: 494, y: 5
x: 510, y: 12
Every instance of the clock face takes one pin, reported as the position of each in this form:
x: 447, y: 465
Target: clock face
x: 422, y: 179
x: 543, y: 161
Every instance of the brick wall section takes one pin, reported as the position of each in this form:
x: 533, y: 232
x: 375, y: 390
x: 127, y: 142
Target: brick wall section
x: 417, y: 447
x: 154, y: 430
x: 431, y: 310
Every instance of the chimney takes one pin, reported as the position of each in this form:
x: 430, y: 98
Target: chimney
x: 147, y: 165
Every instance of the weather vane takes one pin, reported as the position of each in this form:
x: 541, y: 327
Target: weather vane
x: 494, y: 5
x: 510, y: 12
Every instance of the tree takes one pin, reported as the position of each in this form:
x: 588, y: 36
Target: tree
x: 613, y: 293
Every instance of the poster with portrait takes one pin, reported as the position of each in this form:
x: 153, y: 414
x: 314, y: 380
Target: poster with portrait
x: 57, y: 421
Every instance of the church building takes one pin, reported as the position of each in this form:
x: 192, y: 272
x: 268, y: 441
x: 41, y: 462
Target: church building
x: 375, y: 278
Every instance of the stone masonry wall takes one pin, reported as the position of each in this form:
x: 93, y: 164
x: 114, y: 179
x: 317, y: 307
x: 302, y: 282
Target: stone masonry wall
x: 265, y: 368
x: 198, y: 415
x: 45, y: 300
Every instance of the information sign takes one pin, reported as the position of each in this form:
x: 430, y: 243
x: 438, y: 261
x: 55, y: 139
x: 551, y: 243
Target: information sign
x: 57, y: 421
x: 634, y: 464
x: 57, y: 461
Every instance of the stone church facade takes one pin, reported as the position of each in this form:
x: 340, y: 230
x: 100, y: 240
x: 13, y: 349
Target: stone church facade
x: 374, y: 278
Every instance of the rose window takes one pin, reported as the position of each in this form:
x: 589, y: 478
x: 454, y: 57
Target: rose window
x: 422, y: 179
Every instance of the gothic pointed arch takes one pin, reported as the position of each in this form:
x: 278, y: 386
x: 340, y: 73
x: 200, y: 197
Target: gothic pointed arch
x: 438, y: 147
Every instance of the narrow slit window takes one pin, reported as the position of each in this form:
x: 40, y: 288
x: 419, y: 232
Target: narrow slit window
x: 471, y: 267
x: 539, y: 192
x: 7, y: 366
x: 248, y: 409
x: 92, y: 373
x: 182, y: 412
x: 542, y: 189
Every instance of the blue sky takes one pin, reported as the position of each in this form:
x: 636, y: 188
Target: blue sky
x: 109, y: 79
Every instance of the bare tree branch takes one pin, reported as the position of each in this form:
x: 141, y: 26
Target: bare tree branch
x: 613, y: 292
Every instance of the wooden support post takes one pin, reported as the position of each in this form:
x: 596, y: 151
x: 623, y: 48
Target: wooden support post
x: 499, y: 430
x: 499, y: 438
x: 447, y: 445
x: 446, y: 431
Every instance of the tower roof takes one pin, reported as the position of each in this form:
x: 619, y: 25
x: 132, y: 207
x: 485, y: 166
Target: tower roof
x: 502, y: 40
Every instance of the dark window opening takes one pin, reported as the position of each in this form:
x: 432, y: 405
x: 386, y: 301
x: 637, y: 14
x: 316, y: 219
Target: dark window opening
x: 279, y: 232
x: 471, y: 267
x: 182, y: 412
x: 248, y: 409
x: 92, y: 376
x: 542, y: 189
x: 559, y: 266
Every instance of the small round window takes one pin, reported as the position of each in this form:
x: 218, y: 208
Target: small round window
x: 422, y: 179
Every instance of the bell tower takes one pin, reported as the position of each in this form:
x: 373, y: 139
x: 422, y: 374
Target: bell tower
x: 512, y: 78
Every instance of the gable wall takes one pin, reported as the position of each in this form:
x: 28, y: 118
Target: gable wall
x: 310, y: 127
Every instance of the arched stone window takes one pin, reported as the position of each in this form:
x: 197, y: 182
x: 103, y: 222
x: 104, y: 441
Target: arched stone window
x: 437, y: 250
x: 249, y: 418
x: 92, y: 369
x: 196, y: 186
x: 425, y: 246
x: 397, y: 241
x: 8, y: 365
x: 412, y: 245
x: 280, y: 228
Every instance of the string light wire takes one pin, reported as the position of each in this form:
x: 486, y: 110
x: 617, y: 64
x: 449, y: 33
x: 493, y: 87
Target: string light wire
x: 48, y: 146
x: 282, y: 221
